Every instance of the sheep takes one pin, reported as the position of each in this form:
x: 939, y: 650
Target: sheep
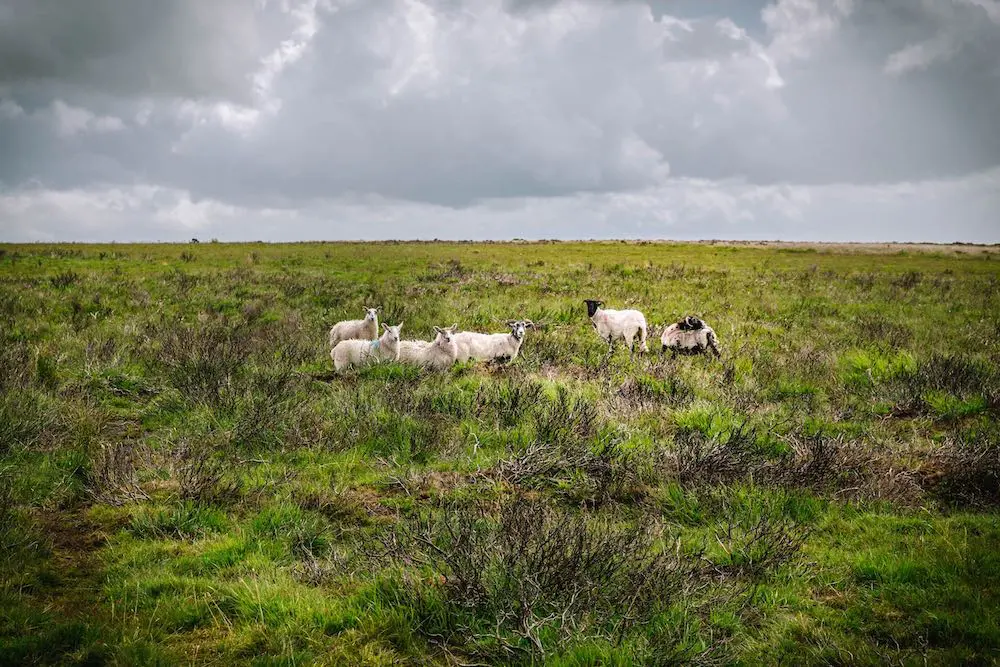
x: 614, y: 324
x: 364, y: 329
x: 437, y: 355
x: 501, y: 347
x: 689, y: 336
x: 355, y: 352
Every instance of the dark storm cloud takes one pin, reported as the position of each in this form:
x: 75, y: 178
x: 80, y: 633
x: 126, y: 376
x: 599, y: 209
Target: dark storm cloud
x: 183, y: 48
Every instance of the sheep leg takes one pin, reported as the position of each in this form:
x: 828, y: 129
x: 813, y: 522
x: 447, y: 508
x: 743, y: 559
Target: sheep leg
x: 712, y: 345
x: 611, y: 348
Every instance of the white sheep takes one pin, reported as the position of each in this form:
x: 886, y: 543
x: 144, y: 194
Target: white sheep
x: 491, y: 347
x: 354, y: 352
x: 438, y: 354
x: 628, y: 325
x: 364, y: 329
x: 689, y: 336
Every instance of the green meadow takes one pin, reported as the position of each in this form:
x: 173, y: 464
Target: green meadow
x: 184, y: 480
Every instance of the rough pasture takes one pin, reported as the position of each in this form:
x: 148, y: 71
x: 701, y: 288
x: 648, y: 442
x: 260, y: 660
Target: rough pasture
x: 183, y: 478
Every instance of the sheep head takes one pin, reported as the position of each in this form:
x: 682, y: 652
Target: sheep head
x: 517, y: 327
x: 592, y: 306
x: 444, y: 334
x: 393, y: 332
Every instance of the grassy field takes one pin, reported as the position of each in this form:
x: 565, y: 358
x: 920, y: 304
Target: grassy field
x: 184, y: 480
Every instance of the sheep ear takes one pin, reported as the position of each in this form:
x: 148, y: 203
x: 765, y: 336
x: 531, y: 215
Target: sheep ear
x: 437, y: 329
x: 385, y: 326
x: 529, y: 323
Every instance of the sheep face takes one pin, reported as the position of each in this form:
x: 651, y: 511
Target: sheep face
x: 690, y: 323
x: 444, y: 336
x: 371, y: 314
x: 518, y: 328
x: 592, y: 306
x: 392, y: 332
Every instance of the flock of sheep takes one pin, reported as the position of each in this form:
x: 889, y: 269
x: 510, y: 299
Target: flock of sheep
x: 357, y: 342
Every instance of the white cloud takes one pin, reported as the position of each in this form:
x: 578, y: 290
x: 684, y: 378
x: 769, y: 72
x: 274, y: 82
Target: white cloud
x: 680, y: 208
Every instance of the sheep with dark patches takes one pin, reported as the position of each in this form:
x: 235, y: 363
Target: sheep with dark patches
x: 689, y: 336
x: 611, y: 325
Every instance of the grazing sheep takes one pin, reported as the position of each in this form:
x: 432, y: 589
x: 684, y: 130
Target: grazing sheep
x: 611, y: 325
x: 689, y: 336
x: 437, y: 355
x: 502, y: 347
x: 354, y: 352
x: 365, y: 329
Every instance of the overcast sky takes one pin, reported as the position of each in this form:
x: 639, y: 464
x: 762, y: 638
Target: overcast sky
x: 471, y: 119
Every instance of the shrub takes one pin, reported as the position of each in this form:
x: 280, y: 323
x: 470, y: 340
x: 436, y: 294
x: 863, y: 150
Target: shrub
x: 203, y: 477
x: 112, y: 477
x: 581, y: 471
x: 64, y: 279
x: 965, y: 472
x: 540, y: 574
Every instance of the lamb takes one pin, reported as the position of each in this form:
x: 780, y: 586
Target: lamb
x: 614, y: 324
x: 689, y: 336
x: 500, y: 347
x: 355, y: 352
x: 437, y: 355
x: 364, y: 329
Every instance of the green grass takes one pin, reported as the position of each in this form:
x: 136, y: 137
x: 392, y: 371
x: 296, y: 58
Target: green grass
x: 184, y: 480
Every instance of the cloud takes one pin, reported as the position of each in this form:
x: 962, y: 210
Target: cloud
x: 724, y: 114
x: 679, y: 209
x: 70, y: 120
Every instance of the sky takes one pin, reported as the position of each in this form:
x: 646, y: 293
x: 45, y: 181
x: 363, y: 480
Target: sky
x: 281, y: 120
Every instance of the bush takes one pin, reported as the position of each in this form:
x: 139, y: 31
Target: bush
x: 542, y: 575
x: 203, y: 477
x: 581, y: 471
x: 965, y: 472
x: 112, y: 477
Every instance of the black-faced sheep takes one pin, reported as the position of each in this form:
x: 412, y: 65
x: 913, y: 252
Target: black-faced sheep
x: 689, y: 336
x: 628, y: 325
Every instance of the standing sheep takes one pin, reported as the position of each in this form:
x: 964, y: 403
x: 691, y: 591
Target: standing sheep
x: 611, y: 325
x: 492, y: 347
x: 437, y: 355
x: 689, y: 336
x: 354, y: 352
x: 365, y: 329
